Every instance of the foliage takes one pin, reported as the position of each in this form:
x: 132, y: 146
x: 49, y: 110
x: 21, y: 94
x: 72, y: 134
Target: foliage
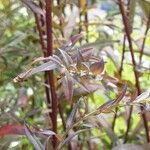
x: 74, y: 74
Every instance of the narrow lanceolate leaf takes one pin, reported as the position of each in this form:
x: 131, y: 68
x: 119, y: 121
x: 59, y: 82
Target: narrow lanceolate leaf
x: 69, y: 138
x: 33, y: 139
x: 40, y: 59
x: 34, y: 7
x: 67, y: 46
x: 47, y: 133
x: 80, y: 59
x: 76, y: 38
x: 97, y: 67
x: 71, y: 117
x: 44, y: 67
x: 86, y: 53
x: 107, y: 107
x: 12, y: 129
x: 68, y: 87
x: 142, y: 97
x: 66, y: 58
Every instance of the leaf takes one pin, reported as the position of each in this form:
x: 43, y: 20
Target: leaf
x: 85, y: 52
x: 91, y: 87
x: 107, y: 107
x: 67, y: 83
x: 142, y: 97
x: 80, y: 59
x: 12, y: 129
x: 36, y: 143
x: 47, y: 132
x: 71, y: 117
x: 66, y: 58
x: 84, y: 88
x: 44, y: 67
x: 34, y: 7
x: 76, y: 38
x: 102, y: 120
x: 97, y: 67
x: 71, y: 42
x: 68, y: 139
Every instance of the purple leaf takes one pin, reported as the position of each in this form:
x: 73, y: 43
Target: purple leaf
x: 36, y: 143
x: 34, y: 7
x: 47, y: 132
x: 44, y: 67
x: 68, y: 87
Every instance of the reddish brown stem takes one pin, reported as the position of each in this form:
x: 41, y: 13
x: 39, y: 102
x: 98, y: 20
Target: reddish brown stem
x: 53, y: 102
x: 127, y: 31
x: 144, y: 40
x: 86, y: 24
x: 122, y: 59
x: 40, y: 32
x: 114, y: 119
x: 128, y: 124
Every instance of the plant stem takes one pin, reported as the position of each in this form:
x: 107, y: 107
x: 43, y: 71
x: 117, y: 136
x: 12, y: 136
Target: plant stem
x: 53, y: 102
x: 137, y: 83
x: 86, y: 23
x: 144, y: 40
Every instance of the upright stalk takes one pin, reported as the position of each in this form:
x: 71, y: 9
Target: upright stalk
x: 53, y: 102
x: 144, y: 40
x: 127, y: 31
